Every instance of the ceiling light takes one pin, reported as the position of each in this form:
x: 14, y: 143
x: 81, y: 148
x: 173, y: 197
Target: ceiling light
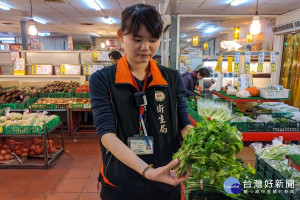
x: 39, y: 20
x: 210, y: 30
x: 108, y: 20
x: 188, y: 40
x: 102, y: 45
x: 200, y: 25
x: 4, y: 7
x: 43, y: 34
x: 32, y: 30
x: 237, y: 2
x: 255, y: 26
x: 94, y: 4
x: 95, y: 34
x: 183, y: 35
x: 4, y: 38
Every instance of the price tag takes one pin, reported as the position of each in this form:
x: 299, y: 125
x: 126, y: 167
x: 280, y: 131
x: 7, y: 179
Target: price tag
x: 272, y: 60
x: 261, y: 59
x: 100, y: 56
x: 42, y: 69
x: 219, y: 64
x: 19, y: 66
x: 230, y: 59
x: 245, y: 81
x: 237, y: 61
x: 70, y: 69
x: 90, y: 69
x: 247, y: 62
x: 86, y: 105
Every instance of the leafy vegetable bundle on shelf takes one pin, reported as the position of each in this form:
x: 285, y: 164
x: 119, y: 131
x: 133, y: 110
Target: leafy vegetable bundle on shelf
x: 211, y: 147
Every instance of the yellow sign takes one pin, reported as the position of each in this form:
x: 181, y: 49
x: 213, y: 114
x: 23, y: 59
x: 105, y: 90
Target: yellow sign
x: 247, y: 62
x: 219, y: 64
x: 195, y: 40
x: 95, y: 55
x: 249, y: 37
x: 236, y: 33
x: 230, y: 59
x: 261, y: 59
x: 237, y: 61
x: 19, y: 66
x: 205, y: 45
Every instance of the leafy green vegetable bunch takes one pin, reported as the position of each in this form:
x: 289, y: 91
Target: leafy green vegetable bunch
x: 211, y: 147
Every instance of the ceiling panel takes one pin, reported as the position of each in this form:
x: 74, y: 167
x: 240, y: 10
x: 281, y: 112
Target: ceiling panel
x: 190, y: 1
x: 213, y: 6
x: 187, y: 6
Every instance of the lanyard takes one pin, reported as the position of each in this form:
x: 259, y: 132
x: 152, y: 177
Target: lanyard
x: 141, y: 108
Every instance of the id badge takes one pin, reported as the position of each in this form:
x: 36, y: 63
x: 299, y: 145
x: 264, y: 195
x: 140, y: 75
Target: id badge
x: 139, y: 145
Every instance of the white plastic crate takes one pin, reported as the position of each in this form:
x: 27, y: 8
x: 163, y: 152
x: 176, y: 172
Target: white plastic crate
x: 274, y: 94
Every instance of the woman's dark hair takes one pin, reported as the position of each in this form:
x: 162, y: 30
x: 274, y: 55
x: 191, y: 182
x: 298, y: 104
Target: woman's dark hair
x: 135, y: 15
x: 115, y: 55
x: 204, y: 72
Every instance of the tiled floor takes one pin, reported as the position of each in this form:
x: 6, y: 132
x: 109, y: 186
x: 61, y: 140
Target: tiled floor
x: 74, y: 177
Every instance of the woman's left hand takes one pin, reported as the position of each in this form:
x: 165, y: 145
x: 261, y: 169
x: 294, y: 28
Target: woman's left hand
x: 166, y: 175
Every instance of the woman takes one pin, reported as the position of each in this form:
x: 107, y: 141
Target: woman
x: 135, y: 98
x: 190, y: 80
x: 114, y: 57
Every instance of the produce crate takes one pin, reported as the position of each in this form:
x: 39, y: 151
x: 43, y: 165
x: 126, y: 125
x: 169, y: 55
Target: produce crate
x: 13, y: 87
x: 266, y: 171
x: 31, y: 101
x: 277, y: 115
x: 12, y: 106
x: 290, y: 126
x: 56, y: 95
x: 274, y: 94
x: 82, y: 95
x: 2, y: 112
x: 78, y: 106
x: 194, y: 114
x: 207, y: 195
x: 249, y: 126
x: 31, y: 130
x: 42, y: 106
x: 31, y: 104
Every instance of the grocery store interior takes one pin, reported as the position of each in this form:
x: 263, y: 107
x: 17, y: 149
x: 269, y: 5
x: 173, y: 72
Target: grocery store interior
x: 49, y: 49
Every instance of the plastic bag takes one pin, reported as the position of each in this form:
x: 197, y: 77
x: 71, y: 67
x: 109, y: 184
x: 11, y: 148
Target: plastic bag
x: 231, y: 91
x: 296, y: 116
x: 257, y: 146
x: 230, y: 45
x: 294, y: 149
x: 243, y: 94
x: 265, y: 118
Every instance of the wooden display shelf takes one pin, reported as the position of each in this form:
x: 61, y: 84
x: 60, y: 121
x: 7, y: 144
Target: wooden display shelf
x: 240, y: 102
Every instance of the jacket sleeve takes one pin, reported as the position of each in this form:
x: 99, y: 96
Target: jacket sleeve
x: 187, y: 83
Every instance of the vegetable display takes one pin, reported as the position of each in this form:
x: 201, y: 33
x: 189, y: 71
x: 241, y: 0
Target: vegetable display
x: 253, y: 91
x: 59, y: 86
x: 214, y: 109
x: 211, y: 147
x: 82, y: 89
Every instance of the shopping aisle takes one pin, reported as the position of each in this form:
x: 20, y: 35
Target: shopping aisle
x: 74, y: 177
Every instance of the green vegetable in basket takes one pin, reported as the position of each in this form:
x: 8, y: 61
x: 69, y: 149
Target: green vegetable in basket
x: 211, y: 147
x: 277, y: 152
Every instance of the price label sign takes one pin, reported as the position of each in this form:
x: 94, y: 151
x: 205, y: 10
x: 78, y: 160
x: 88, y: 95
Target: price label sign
x: 19, y: 66
x: 261, y: 59
x: 245, y: 81
x: 87, y: 106
x: 70, y: 69
x: 42, y: 69
x: 272, y: 60
x: 247, y: 62
x: 237, y: 61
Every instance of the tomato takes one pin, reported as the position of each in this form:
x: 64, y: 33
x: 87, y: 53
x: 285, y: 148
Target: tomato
x: 2, y: 158
x: 31, y: 153
x: 3, y: 152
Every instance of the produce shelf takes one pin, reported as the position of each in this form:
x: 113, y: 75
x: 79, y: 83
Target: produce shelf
x: 49, y: 159
x: 74, y: 123
x: 269, y: 136
x: 240, y: 102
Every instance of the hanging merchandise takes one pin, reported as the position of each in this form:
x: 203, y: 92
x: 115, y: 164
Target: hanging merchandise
x: 247, y: 61
x: 237, y: 61
x: 236, y: 34
x: 19, y: 66
x: 245, y: 81
x: 205, y: 45
x: 261, y: 59
x: 195, y: 40
x: 249, y: 38
x: 219, y: 64
x: 272, y: 60
x: 230, y: 59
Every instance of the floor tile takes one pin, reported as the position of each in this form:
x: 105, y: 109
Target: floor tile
x: 70, y: 185
x: 90, y: 185
x: 89, y: 196
x: 50, y: 173
x: 78, y: 172
x: 12, y: 185
x: 40, y: 185
x: 30, y: 196
x: 7, y: 196
x: 95, y: 171
x: 22, y: 174
x: 63, y: 196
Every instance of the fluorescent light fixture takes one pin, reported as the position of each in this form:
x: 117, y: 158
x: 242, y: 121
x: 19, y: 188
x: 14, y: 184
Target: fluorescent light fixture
x: 109, y: 20
x: 4, y: 38
x: 4, y: 7
x: 200, y: 25
x: 39, y: 20
x: 94, y: 4
x: 189, y: 39
x: 255, y: 26
x: 183, y: 35
x: 237, y: 2
x: 95, y: 34
x: 44, y: 34
x: 210, y: 30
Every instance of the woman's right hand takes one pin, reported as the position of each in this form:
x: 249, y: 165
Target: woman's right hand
x: 166, y: 175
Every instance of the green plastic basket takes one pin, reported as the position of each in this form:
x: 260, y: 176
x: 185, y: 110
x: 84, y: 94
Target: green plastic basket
x: 82, y: 95
x: 207, y: 195
x: 2, y: 112
x: 31, y: 101
x: 194, y: 114
x: 79, y: 106
x: 277, y: 115
x: 13, y: 87
x: 249, y: 126
x: 52, y: 124
x: 12, y: 106
x: 56, y: 95
x: 42, y: 106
